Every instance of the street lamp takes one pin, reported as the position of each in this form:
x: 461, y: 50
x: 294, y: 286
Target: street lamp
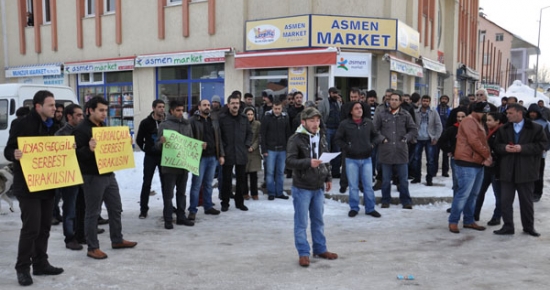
x: 538, y: 52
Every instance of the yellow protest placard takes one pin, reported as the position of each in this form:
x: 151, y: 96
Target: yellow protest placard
x: 49, y: 162
x: 114, y: 148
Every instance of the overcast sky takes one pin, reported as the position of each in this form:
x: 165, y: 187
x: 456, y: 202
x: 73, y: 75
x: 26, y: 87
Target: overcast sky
x: 522, y: 19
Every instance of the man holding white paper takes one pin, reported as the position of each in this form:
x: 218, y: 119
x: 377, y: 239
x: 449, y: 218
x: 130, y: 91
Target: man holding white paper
x: 356, y: 137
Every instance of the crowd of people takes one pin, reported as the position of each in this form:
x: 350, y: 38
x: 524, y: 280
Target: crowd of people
x: 378, y: 144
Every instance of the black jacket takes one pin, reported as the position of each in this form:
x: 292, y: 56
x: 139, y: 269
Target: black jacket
x: 447, y: 140
x: 29, y: 126
x: 298, y: 159
x: 293, y: 115
x: 275, y: 131
x: 198, y: 129
x: 356, y: 140
x: 236, y: 138
x: 147, y: 135
x: 86, y: 158
x: 523, y: 166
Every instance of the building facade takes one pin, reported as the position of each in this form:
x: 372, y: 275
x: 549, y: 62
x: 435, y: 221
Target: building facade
x: 133, y: 52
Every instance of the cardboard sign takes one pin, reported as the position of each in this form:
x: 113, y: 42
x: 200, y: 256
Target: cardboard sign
x: 114, y: 148
x: 49, y: 162
x: 180, y: 151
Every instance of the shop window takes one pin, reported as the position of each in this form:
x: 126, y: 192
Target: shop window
x: 499, y: 36
x: 482, y: 35
x: 422, y: 85
x: 90, y: 8
x: 321, y: 82
x: 4, y: 114
x: 174, y: 92
x: 440, y: 85
x: 209, y: 71
x: 46, y: 11
x: 173, y: 73
x: 118, y: 77
x: 91, y: 78
x: 109, y: 6
x: 262, y: 79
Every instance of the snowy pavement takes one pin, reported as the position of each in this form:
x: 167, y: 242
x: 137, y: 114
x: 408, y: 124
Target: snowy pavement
x: 255, y: 249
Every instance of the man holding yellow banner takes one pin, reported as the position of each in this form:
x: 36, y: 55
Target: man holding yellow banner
x: 99, y: 182
x: 36, y: 207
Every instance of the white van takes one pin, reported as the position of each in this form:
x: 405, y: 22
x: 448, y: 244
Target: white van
x: 14, y: 96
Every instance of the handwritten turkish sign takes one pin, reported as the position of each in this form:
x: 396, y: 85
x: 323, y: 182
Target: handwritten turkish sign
x: 49, y: 162
x: 114, y: 148
x: 180, y: 151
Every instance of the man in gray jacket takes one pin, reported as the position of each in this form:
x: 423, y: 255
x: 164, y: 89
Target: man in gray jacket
x: 429, y: 131
x: 397, y: 128
x: 174, y: 177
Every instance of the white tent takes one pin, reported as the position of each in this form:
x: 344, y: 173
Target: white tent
x: 525, y: 93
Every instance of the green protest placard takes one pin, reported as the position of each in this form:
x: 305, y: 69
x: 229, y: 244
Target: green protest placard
x: 180, y: 151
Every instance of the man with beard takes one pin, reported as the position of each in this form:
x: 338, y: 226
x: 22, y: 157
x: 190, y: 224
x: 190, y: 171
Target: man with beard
x: 295, y: 110
x: 444, y: 111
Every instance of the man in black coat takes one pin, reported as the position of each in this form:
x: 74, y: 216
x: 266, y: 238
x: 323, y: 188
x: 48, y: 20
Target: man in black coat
x: 36, y: 208
x: 520, y: 144
x: 147, y: 135
x: 236, y: 139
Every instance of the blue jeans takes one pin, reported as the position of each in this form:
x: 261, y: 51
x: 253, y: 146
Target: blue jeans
x: 360, y: 169
x: 469, y: 183
x: 402, y: 172
x: 69, y: 195
x: 207, y: 169
x: 417, y: 160
x: 455, y: 178
x: 308, y: 202
x: 332, y: 147
x: 275, y: 172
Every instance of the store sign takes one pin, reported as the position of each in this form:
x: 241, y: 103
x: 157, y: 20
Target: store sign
x: 353, y: 32
x: 297, y: 80
x: 408, y: 40
x: 288, y: 32
x: 61, y: 79
x: 351, y: 64
x: 492, y: 90
x: 100, y: 66
x: 404, y: 67
x: 32, y: 71
x: 433, y: 65
x: 189, y: 58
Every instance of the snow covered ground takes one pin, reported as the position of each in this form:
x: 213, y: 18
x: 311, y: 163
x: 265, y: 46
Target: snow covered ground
x: 255, y: 249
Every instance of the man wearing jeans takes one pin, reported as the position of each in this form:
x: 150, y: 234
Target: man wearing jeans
x: 275, y: 130
x: 429, y: 131
x: 97, y: 187
x: 73, y: 115
x: 471, y: 154
x: 357, y: 138
x: 397, y: 128
x: 309, y: 179
x: 208, y: 131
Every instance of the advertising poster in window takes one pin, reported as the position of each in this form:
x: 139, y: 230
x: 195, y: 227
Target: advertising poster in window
x: 297, y: 80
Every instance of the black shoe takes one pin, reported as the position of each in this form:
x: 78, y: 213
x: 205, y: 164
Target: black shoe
x: 212, y: 211
x: 429, y: 183
x: 102, y: 221
x: 48, y: 270
x: 377, y: 185
x: 408, y: 206
x: 55, y: 222
x: 191, y: 216
x: 493, y: 222
x: 385, y: 205
x: 352, y: 213
x: 264, y: 185
x: 449, y: 210
x: 73, y: 245
x: 504, y: 231
x: 282, y: 196
x: 532, y: 233
x: 168, y: 225
x: 143, y: 215
x: 416, y: 180
x: 185, y: 222
x: 536, y: 198
x: 445, y: 174
x: 271, y: 197
x: 225, y: 208
x: 476, y: 218
x: 374, y: 214
x: 343, y: 189
x: 24, y: 278
x: 242, y: 207
x: 100, y: 231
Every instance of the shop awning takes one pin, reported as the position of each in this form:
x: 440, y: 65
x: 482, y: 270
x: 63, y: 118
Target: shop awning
x: 35, y: 70
x: 286, y: 58
x: 465, y: 72
x: 100, y: 65
x: 433, y: 65
x: 404, y: 67
x: 182, y: 58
